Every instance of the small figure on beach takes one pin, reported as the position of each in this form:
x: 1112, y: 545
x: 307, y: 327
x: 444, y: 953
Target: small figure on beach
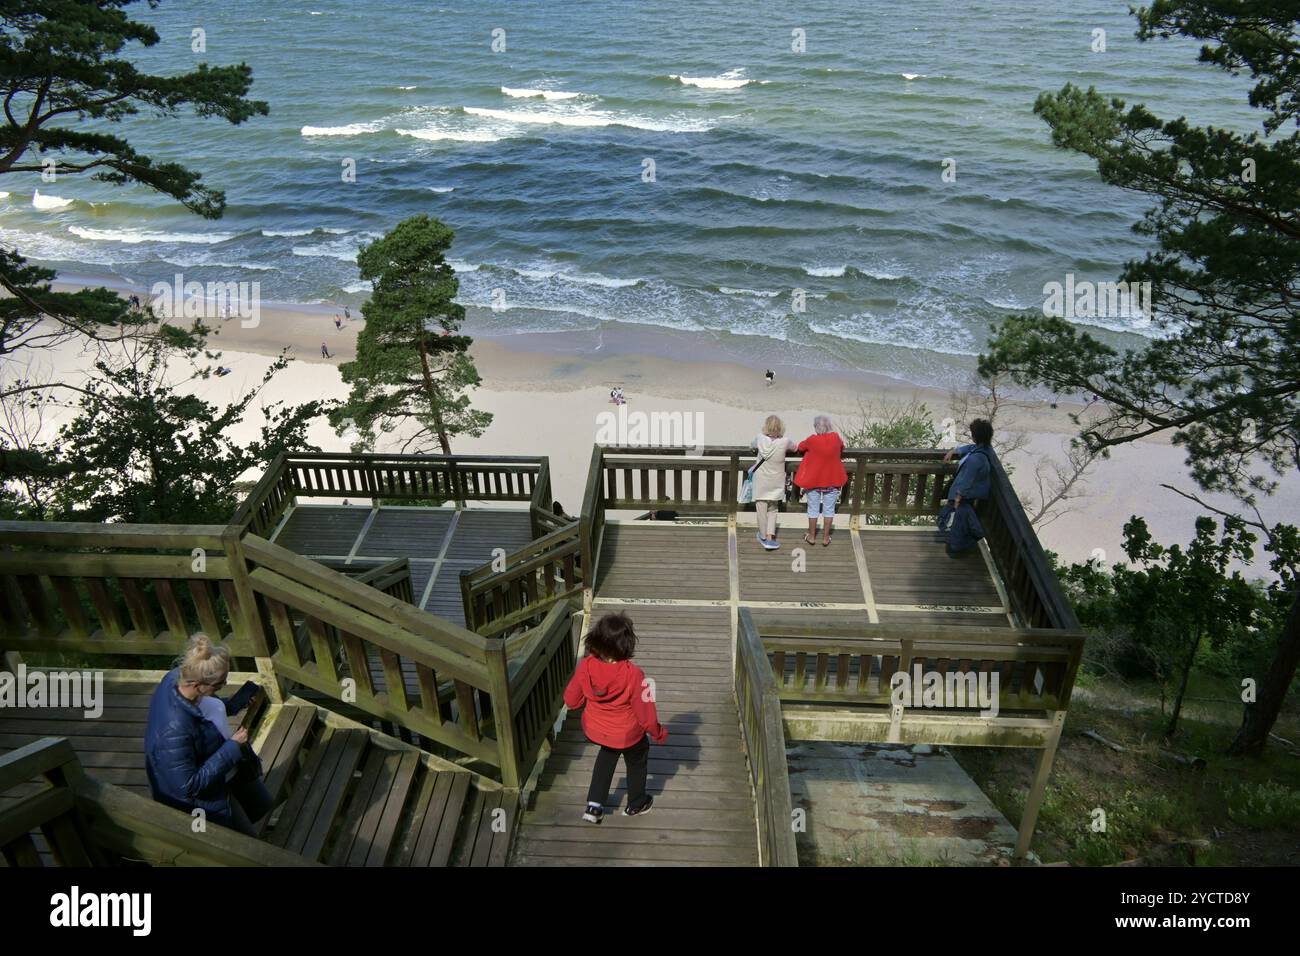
x: 338, y: 323
x: 226, y: 313
x: 617, y: 714
x: 972, y: 484
x: 324, y: 351
x: 347, y: 314
x: 616, y: 395
x: 770, y: 377
x: 767, y: 477
x: 134, y: 301
x: 821, y: 475
x: 222, y: 371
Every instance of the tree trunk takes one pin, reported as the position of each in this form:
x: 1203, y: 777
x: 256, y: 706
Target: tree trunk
x: 432, y: 389
x: 1172, y: 726
x: 1261, y: 715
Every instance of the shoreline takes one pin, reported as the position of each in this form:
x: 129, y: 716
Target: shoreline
x: 547, y: 392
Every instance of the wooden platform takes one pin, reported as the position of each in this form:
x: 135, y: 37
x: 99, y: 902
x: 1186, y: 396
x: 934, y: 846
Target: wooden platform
x: 438, y: 542
x: 682, y: 583
x: 345, y: 795
x: 704, y: 809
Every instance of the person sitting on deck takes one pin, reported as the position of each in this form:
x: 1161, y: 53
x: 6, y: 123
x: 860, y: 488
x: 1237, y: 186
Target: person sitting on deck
x: 971, y: 484
x: 618, y: 711
x: 189, y: 761
x: 821, y: 475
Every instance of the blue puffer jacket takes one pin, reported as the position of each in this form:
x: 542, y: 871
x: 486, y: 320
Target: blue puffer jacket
x: 185, y: 755
x: 974, y: 475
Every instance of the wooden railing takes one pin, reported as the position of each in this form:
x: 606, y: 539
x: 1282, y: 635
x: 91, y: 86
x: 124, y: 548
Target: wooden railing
x: 399, y: 478
x: 760, y: 721
x: 121, y: 589
x: 392, y: 577
x: 88, y: 823
x: 885, y: 484
x: 591, y: 530
x: 538, y: 679
x: 1032, y: 588
x: 853, y: 665
x: 518, y: 588
x: 349, y: 623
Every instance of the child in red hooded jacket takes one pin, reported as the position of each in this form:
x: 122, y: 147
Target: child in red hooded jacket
x: 618, y: 711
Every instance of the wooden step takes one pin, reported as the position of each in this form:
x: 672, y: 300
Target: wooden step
x: 316, y: 801
x: 379, y: 796
x: 488, y: 827
x: 429, y: 834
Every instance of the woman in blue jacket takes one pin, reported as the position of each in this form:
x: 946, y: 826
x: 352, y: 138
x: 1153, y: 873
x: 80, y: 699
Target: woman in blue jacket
x: 189, y: 760
x: 972, y: 483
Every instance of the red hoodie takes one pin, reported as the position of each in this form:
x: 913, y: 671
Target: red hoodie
x: 618, y: 710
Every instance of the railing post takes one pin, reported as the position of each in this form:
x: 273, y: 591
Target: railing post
x: 248, y: 612
x: 467, y: 601
x: 503, y: 713
x: 731, y: 488
x: 856, y: 508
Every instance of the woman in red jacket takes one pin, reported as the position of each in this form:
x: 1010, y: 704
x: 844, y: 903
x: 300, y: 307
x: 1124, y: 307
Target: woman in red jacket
x: 821, y: 475
x: 619, y: 711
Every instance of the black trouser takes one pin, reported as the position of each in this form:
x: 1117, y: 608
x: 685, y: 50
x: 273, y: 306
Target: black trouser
x: 249, y: 798
x: 635, y: 758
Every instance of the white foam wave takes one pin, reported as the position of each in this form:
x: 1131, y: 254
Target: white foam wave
x: 595, y: 278
x: 49, y: 202
x: 406, y: 87
x: 442, y: 189
x: 352, y: 129
x: 544, y: 94
x: 4, y: 195
x: 435, y: 135
x: 134, y: 236
x: 460, y: 265
x: 912, y: 76
x: 825, y: 272
x: 731, y: 80
x: 592, y: 118
x: 727, y: 290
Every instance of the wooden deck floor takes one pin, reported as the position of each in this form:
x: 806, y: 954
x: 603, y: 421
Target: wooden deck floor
x: 704, y: 809
x: 682, y: 584
x: 439, y: 542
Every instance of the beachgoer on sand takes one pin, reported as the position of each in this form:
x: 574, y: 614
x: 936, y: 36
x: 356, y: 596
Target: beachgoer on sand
x: 324, y: 351
x: 770, y: 376
x: 338, y: 323
x: 767, y: 478
x: 347, y: 314
x: 821, y: 475
x: 617, y: 714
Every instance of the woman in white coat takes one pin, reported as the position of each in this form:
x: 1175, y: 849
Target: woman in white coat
x: 769, y: 478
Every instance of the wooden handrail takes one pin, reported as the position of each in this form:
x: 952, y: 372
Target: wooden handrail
x: 538, y: 682
x: 87, y: 822
x: 529, y: 581
x: 852, y: 665
x: 760, y: 720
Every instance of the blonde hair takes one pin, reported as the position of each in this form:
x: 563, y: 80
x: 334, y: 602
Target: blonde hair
x: 204, y: 662
x: 774, y: 427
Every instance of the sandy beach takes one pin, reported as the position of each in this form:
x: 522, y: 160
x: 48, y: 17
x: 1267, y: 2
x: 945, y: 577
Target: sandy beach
x: 545, y: 392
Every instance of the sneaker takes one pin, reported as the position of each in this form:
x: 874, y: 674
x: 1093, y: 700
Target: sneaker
x: 631, y: 811
x: 594, y: 813
x: 769, y: 544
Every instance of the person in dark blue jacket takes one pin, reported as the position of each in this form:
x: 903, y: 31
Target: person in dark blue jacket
x: 972, y: 483
x: 189, y: 760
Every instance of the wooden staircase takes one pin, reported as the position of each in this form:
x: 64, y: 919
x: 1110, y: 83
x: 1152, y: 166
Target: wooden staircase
x: 349, y: 795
